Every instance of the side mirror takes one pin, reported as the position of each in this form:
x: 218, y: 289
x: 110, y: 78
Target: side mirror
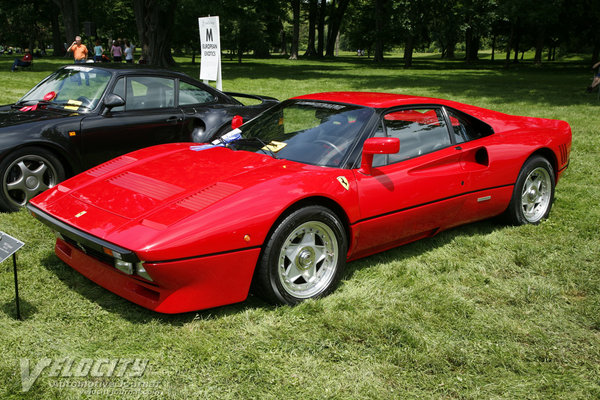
x: 113, y: 100
x: 236, y: 122
x: 377, y: 145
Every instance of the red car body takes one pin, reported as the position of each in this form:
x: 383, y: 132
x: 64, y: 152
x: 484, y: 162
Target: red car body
x: 199, y: 219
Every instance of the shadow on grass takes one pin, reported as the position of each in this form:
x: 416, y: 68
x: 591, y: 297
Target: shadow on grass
x: 26, y: 308
x: 414, y: 249
x: 137, y: 314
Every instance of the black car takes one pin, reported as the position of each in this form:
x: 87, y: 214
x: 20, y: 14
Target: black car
x: 82, y: 115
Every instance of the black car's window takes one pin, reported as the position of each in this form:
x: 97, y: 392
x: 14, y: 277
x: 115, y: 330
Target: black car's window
x: 190, y: 94
x: 465, y: 127
x: 420, y: 131
x: 144, y: 93
x: 119, y: 89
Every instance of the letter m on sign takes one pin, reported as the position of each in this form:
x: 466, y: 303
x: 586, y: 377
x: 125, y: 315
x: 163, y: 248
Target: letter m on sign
x: 209, y: 35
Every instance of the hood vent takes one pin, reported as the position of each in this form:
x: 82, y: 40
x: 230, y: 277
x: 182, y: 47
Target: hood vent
x: 209, y: 195
x: 147, y: 186
x: 110, y: 166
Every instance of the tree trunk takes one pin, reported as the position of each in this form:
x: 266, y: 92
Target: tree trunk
x: 509, y: 45
x: 70, y: 13
x: 378, y: 31
x: 321, y: 28
x: 596, y: 51
x: 155, y: 20
x: 335, y: 21
x: 450, y: 49
x: 312, y: 23
x: 539, y: 46
x: 493, y: 46
x: 408, y: 51
x: 296, y: 33
x: 57, y: 41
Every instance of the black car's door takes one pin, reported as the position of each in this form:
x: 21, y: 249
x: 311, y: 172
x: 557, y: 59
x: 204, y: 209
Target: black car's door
x: 150, y: 116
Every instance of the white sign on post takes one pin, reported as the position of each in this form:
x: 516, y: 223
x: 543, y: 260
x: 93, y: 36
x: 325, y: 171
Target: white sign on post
x: 210, y: 50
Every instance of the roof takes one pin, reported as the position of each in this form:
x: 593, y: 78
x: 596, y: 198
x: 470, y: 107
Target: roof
x: 124, y: 68
x: 372, y: 99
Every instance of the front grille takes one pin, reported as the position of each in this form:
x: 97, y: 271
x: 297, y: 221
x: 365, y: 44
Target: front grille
x: 98, y: 255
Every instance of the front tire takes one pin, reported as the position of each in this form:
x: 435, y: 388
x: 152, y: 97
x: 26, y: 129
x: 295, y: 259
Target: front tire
x: 533, y: 194
x: 304, y: 257
x: 25, y: 173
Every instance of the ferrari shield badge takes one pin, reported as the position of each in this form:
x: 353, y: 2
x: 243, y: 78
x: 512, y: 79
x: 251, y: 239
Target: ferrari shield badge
x: 344, y: 182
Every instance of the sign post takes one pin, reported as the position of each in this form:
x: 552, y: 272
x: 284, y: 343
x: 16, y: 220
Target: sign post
x: 210, y: 50
x: 9, y: 246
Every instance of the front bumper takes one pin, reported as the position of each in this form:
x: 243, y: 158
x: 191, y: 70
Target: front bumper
x: 177, y: 286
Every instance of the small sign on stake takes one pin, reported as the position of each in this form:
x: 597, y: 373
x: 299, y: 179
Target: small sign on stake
x: 210, y: 50
x: 9, y: 247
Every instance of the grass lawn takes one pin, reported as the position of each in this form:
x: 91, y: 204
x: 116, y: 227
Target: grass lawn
x: 480, y: 311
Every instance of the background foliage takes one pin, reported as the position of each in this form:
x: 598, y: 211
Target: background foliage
x: 264, y: 27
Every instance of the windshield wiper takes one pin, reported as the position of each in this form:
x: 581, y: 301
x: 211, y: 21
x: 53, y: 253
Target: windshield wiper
x: 264, y: 147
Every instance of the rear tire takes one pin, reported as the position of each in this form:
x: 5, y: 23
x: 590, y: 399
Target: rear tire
x: 25, y: 173
x: 304, y: 257
x: 533, y: 193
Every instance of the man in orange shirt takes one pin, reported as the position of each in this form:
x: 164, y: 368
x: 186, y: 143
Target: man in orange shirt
x: 79, y: 50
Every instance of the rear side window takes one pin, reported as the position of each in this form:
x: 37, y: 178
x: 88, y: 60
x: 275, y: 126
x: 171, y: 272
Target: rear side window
x: 190, y: 94
x: 466, y: 128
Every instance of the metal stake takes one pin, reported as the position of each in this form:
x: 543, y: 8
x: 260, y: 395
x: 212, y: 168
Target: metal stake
x: 16, y: 286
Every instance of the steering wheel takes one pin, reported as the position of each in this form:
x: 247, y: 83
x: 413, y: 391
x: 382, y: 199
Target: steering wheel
x: 328, y: 143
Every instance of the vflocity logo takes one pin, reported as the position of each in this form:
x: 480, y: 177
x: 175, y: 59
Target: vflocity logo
x: 85, y: 367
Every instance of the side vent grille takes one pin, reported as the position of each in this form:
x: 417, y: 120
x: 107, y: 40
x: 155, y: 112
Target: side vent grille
x: 209, y: 195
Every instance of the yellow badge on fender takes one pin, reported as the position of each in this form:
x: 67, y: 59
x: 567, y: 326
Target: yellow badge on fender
x: 80, y: 214
x: 344, y: 182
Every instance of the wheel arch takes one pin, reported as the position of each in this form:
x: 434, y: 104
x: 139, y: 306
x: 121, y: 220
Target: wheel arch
x: 326, y: 202
x: 57, y: 151
x: 549, y: 155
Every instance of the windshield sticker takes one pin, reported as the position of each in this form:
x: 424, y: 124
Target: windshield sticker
x: 74, y: 102
x: 315, y: 104
x: 78, y: 68
x: 274, y: 146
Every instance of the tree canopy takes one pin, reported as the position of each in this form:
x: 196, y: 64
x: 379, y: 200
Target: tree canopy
x: 312, y: 28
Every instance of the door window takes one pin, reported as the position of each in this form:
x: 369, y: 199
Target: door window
x: 144, y: 93
x: 466, y: 128
x: 420, y: 131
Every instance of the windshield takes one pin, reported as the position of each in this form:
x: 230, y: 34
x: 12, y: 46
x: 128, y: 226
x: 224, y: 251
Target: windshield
x: 72, y: 88
x: 306, y: 131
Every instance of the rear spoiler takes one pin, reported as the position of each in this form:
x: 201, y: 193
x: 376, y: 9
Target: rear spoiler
x: 262, y: 99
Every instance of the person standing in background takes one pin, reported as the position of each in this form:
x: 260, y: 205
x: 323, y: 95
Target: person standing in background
x: 98, y: 50
x: 80, y: 51
x: 128, y: 52
x: 116, y: 52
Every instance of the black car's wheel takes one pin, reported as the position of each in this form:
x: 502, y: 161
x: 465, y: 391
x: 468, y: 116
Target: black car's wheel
x: 26, y: 173
x: 533, y: 193
x: 303, y: 258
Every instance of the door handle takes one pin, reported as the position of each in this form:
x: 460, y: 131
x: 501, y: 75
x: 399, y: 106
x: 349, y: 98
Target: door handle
x: 457, y: 147
x: 172, y: 120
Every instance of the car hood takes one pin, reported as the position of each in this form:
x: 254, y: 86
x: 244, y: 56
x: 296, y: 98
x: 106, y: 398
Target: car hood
x: 140, y: 184
x: 13, y: 116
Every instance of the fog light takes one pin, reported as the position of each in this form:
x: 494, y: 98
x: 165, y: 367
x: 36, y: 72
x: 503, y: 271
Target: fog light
x: 124, y: 266
x: 141, y: 271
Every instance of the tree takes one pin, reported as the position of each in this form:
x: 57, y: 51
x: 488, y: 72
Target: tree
x: 296, y: 29
x: 312, y: 23
x: 337, y: 10
x: 155, y: 21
